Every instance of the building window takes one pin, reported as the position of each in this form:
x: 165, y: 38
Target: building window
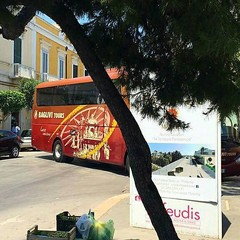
x: 60, y: 67
x: 44, y: 61
x: 75, y: 70
x: 18, y: 50
x: 44, y: 65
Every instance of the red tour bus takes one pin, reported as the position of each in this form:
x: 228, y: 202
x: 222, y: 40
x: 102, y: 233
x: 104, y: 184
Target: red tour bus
x: 230, y: 141
x: 71, y: 120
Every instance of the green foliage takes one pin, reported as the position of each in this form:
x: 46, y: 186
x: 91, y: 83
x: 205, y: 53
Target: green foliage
x: 155, y: 167
x: 11, y: 101
x: 174, y: 52
x: 27, y: 87
x: 176, y: 155
x: 15, y: 100
x: 163, y: 159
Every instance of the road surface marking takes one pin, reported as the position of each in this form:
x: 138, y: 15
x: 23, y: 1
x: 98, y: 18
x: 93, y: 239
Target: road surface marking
x: 12, y: 220
x: 227, y: 205
x: 105, y: 206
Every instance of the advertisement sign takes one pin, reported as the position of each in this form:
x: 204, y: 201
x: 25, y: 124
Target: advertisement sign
x: 186, y: 172
x: 188, y: 217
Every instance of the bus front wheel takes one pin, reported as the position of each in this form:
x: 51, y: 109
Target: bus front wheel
x: 58, y: 153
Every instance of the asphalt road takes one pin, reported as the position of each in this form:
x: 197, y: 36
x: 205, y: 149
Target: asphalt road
x: 34, y: 189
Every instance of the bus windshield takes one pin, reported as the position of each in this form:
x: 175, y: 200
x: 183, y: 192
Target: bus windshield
x: 229, y: 128
x: 230, y: 146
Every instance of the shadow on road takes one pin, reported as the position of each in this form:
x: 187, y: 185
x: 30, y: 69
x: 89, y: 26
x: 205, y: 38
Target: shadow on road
x: 225, y: 224
x: 231, y: 186
x: 91, y: 164
x: 5, y: 158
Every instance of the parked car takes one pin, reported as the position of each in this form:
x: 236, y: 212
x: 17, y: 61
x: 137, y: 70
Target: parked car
x: 10, y: 143
x: 26, y: 138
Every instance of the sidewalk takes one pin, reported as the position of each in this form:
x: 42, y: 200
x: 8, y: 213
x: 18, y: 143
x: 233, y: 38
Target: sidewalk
x: 118, y: 210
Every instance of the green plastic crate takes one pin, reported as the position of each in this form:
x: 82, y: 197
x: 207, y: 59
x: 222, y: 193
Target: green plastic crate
x: 66, y: 221
x: 35, y: 234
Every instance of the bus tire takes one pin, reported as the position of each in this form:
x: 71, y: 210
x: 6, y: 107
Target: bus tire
x: 127, y: 165
x: 58, y: 151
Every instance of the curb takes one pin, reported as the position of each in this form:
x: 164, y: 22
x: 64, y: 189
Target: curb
x: 105, y: 206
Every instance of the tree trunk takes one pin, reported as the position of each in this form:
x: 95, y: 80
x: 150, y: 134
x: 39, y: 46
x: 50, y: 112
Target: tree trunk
x: 138, y: 150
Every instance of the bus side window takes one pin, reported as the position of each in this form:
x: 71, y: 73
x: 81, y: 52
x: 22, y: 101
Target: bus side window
x: 60, y: 96
x: 71, y: 96
x: 77, y: 96
x: 91, y: 91
x: 100, y: 99
x: 66, y: 95
x: 85, y: 93
x: 45, y: 96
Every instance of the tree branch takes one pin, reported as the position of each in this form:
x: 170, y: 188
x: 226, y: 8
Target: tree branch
x: 138, y: 150
x: 12, y: 26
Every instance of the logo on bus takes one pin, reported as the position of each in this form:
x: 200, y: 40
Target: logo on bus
x: 87, y: 131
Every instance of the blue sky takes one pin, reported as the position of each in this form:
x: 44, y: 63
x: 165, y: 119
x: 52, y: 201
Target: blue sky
x: 83, y: 19
x: 46, y: 18
x: 185, y: 149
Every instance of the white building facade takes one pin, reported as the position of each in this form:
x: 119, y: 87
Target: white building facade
x: 43, y: 53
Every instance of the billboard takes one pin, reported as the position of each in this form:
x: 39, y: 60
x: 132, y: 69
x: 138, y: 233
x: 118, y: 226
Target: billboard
x: 187, y: 172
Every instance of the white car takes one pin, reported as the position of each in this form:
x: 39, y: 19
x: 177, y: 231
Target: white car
x: 26, y: 137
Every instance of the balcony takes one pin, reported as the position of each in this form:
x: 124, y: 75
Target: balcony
x: 44, y: 77
x: 17, y: 71
x: 22, y: 71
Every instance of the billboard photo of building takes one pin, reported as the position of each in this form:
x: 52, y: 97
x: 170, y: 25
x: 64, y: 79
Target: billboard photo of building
x: 183, y: 160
